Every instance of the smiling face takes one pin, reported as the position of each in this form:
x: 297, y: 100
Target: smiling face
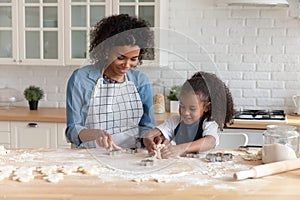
x: 121, y: 59
x: 192, y: 108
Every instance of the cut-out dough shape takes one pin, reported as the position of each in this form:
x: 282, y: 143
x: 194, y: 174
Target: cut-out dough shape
x: 23, y: 174
x: 157, y: 152
x: 54, y: 178
x: 91, y: 170
x: 46, y: 170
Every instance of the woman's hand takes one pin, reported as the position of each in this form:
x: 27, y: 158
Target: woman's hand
x: 105, y: 140
x: 172, y: 150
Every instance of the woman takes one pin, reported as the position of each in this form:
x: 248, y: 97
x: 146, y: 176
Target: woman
x: 109, y: 103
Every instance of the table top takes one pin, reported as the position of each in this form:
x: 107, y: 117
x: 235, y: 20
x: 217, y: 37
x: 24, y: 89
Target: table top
x: 122, y: 177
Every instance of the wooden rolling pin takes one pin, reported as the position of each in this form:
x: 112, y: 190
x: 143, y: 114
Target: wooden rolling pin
x: 268, y: 169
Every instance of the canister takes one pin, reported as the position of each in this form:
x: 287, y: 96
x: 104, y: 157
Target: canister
x: 280, y: 142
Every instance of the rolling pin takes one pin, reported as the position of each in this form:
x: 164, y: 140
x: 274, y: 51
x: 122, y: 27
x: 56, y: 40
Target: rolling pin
x: 268, y: 169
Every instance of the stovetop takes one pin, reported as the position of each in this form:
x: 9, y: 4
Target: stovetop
x: 260, y: 115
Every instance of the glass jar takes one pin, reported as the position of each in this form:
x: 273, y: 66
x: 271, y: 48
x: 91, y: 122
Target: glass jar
x: 158, y: 97
x: 280, y: 142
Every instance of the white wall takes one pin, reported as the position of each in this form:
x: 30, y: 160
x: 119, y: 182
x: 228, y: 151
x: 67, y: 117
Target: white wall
x: 256, y: 51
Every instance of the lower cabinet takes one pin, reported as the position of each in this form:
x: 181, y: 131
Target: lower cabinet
x: 33, y: 135
x: 5, y: 134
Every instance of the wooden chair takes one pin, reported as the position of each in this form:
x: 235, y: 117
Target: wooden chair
x: 232, y: 140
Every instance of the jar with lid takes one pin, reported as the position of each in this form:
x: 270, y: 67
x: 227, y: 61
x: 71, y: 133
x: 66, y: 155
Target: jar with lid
x: 158, y: 97
x: 280, y: 142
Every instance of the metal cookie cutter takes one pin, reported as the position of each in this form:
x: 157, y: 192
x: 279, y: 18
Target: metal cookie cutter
x: 147, y: 162
x: 131, y: 150
x: 218, y: 157
x: 114, y: 152
x: 193, y: 155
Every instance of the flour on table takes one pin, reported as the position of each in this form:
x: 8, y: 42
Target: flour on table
x: 6, y: 171
x: 86, y: 162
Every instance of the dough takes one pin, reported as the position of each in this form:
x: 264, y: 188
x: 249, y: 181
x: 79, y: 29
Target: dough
x: 46, y: 170
x: 91, y: 170
x: 277, y: 152
x: 23, y: 174
x: 69, y: 169
x: 157, y: 154
x: 54, y: 178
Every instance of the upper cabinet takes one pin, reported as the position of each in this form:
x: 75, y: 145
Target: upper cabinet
x: 31, y: 31
x: 57, y: 32
x: 82, y: 15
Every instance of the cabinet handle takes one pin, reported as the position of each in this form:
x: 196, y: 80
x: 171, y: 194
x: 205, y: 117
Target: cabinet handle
x: 32, y: 125
x: 14, y: 60
x: 20, y: 61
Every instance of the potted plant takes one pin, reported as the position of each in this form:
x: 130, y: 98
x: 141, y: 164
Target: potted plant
x: 173, y: 97
x: 33, y: 94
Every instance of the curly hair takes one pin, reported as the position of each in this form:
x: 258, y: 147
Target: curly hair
x: 120, y: 30
x: 211, y: 89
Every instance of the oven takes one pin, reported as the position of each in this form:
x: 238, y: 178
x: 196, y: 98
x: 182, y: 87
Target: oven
x: 257, y: 120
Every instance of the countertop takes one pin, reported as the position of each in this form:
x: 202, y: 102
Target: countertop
x: 178, y: 178
x: 291, y: 119
x: 58, y: 115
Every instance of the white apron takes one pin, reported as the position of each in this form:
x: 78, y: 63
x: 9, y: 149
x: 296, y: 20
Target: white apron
x: 116, y: 108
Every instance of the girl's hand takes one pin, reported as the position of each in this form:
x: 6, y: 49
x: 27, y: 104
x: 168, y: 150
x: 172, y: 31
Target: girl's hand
x: 172, y: 151
x: 151, y: 139
x: 105, y: 140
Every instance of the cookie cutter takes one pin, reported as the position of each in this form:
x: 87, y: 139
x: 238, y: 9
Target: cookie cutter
x: 219, y: 157
x: 147, y: 162
x: 114, y: 152
x: 193, y: 155
x: 131, y: 150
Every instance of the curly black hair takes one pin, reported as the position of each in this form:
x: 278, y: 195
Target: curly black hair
x: 212, y: 89
x: 120, y: 30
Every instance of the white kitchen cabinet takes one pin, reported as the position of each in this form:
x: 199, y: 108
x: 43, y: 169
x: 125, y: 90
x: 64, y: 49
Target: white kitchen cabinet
x: 82, y: 15
x: 31, y: 32
x: 5, y: 134
x: 61, y: 137
x: 57, y: 32
x: 38, y: 135
x: 33, y: 135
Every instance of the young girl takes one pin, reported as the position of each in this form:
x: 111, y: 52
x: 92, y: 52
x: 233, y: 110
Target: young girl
x: 205, y: 106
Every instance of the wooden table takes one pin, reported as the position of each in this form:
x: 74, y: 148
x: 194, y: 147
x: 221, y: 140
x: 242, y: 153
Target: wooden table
x: 80, y: 186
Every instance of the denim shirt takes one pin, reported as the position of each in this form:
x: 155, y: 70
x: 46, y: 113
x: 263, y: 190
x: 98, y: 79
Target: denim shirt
x: 79, y: 91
